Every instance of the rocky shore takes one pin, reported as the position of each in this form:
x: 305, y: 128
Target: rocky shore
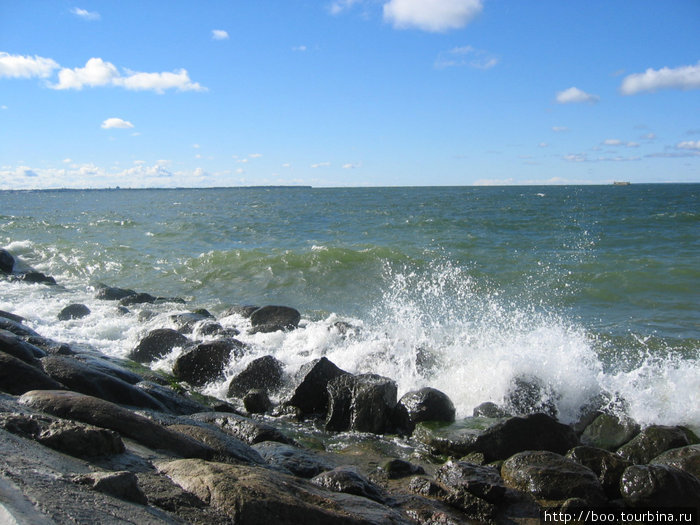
x: 88, y: 438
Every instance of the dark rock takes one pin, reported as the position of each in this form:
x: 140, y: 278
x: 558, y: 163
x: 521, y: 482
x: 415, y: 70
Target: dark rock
x: 490, y: 409
x: 69, y: 437
x: 49, y: 346
x: 146, y: 315
x: 34, y: 277
x: 265, y: 373
x: 7, y: 261
x: 206, y: 361
x: 156, y: 344
x: 482, y: 481
x: 123, y: 310
x: 256, y: 401
x: 428, y: 404
x: 246, y: 429
x: 659, y: 486
x: 94, y: 411
x: 110, y: 367
x: 73, y: 311
x: 472, y: 506
x: 173, y: 402
x: 18, y: 377
x: 310, y: 396
x: 274, y: 318
x: 398, y: 468
x: 110, y: 293
x: 606, y: 465
x: 122, y: 485
x: 651, y: 442
x: 244, y: 311
x: 82, y: 378
x: 683, y: 458
x: 349, y: 481
x: 609, y: 432
x: 17, y: 328
x: 364, y: 403
x: 207, y: 328
x: 295, y: 460
x: 17, y: 347
x: 137, y: 298
x: 530, y: 395
x: 550, y: 476
x: 185, y: 322
x: 226, y: 446
x: 344, y: 328
x: 12, y: 317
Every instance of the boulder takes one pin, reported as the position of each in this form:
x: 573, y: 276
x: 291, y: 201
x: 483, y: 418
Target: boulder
x: 122, y: 484
x: 34, y: 277
x: 606, y: 465
x: 348, y: 481
x: 651, y: 442
x: 473, y: 507
x: 18, y: 377
x: 227, y: 448
x: 156, y: 344
x: 19, y: 348
x: 206, y: 361
x: 659, y: 486
x: 398, y: 468
x: 137, y: 298
x: 256, y: 401
x: 265, y: 373
x: 110, y: 293
x: 101, y: 413
x: 81, y: 377
x: 683, y: 458
x: 295, y: 460
x: 552, y: 477
x: 364, y: 403
x: 274, y: 318
x: 244, y: 311
x: 7, y: 261
x: 185, y: 322
x: 310, y: 396
x: 482, y: 481
x: 490, y: 409
x: 11, y: 316
x: 109, y: 366
x: 73, y: 311
x: 530, y: 395
x: 428, y: 404
x: 175, y: 403
x: 609, y: 432
x: 246, y: 429
x: 17, y: 328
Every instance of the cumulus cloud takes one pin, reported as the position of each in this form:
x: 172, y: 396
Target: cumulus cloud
x: 219, y: 34
x: 574, y: 95
x: 19, y: 66
x: 437, y: 16
x: 689, y: 144
x: 684, y: 77
x: 96, y: 72
x: 85, y: 14
x: 116, y: 123
x: 158, y: 82
x: 466, y: 56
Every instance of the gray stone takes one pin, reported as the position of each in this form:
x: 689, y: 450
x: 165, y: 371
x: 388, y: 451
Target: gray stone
x: 122, y: 485
x: 683, y: 458
x: 364, y: 403
x: 651, y: 442
x: 156, y: 344
x: 73, y: 311
x: 18, y: 377
x: 490, y: 409
x: 265, y: 373
x: 206, y: 361
x: 349, y: 481
x: 609, y: 432
x: 273, y: 318
x: 428, y: 404
x: 310, y: 396
x: 7, y: 261
x: 248, y: 430
x: 659, y: 486
x: 292, y: 459
x: 607, y: 465
x: 256, y: 401
x: 227, y: 447
x: 482, y: 481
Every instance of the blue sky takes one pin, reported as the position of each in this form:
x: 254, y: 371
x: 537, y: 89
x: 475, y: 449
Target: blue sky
x: 348, y: 92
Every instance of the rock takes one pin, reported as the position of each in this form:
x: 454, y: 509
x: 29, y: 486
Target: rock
x: 186, y: 322
x: 137, y: 298
x: 69, y: 437
x: 73, y: 311
x: 683, y: 458
x: 247, y: 430
x: 364, y: 403
x: 12, y: 317
x: 550, y: 476
x: 659, y: 486
x: 206, y: 361
x: 256, y: 496
x: 17, y: 328
x: 207, y: 328
x: 17, y: 347
x: 295, y: 460
x: 349, y: 481
x: 156, y: 344
x: 244, y: 311
x: 173, y: 402
x: 274, y: 318
x: 472, y: 506
x: 122, y: 484
x: 481, y: 481
x: 109, y: 366
x: 18, y: 377
x: 34, y: 277
x: 94, y: 411
x: 609, y: 432
x: 110, y: 293
x: 226, y: 446
x: 490, y: 409
x: 651, y: 442
x: 82, y: 378
x: 398, y: 468
x: 265, y: 373
x: 606, y: 465
x: 7, y: 261
x: 310, y: 396
x: 428, y: 404
x: 256, y: 401
x: 530, y: 395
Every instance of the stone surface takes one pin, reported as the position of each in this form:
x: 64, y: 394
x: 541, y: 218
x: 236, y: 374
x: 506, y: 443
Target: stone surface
x: 17, y: 347
x: 349, y: 481
x: 609, y: 432
x: 248, y: 430
x: 206, y: 361
x: 472, y: 506
x: 399, y: 468
x: 273, y: 318
x: 659, y: 486
x: 294, y: 460
x: 18, y: 377
x: 122, y: 485
x: 606, y: 465
x: 257, y: 401
x: 156, y: 344
x: 490, y: 409
x: 310, y: 396
x: 111, y: 293
x: 530, y: 395
x: 482, y: 481
x: 34, y: 277
x: 428, y: 404
x: 73, y: 311
x: 653, y: 441
x: 7, y: 261
x: 683, y: 458
x: 227, y: 447
x: 175, y: 403
x: 265, y: 373
x: 364, y: 403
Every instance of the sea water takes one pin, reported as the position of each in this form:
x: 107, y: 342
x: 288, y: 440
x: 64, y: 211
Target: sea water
x: 590, y: 289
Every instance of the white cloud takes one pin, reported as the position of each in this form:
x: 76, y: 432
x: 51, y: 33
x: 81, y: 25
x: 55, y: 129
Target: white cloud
x: 618, y: 142
x: 575, y: 95
x: 689, y: 144
x: 116, y: 123
x: 339, y: 6
x: 684, y: 77
x: 352, y: 165
x: 321, y: 165
x: 466, y: 56
x: 85, y: 14
x: 437, y: 16
x: 19, y: 66
x: 219, y: 34
x: 96, y: 72
x: 159, y: 82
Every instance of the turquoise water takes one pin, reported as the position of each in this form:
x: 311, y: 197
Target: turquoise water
x: 588, y: 287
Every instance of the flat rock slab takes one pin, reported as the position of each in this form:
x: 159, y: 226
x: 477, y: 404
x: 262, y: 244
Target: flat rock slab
x: 295, y: 460
x: 18, y: 377
x: 248, y: 430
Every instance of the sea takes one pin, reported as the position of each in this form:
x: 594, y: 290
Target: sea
x: 592, y: 291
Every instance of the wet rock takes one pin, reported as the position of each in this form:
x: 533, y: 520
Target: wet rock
x: 550, y: 476
x: 295, y: 460
x: 246, y: 429
x: 122, y: 484
x: 490, y: 409
x: 34, y: 277
x: 101, y: 413
x: 605, y: 464
x: 175, y: 403
x: 109, y: 366
x: 398, y: 468
x: 19, y: 348
x: 205, y: 362
x: 659, y: 486
x: 273, y: 318
x: 472, y: 506
x: 265, y: 373
x: 7, y: 261
x: 69, y: 437
x: 18, y: 377
x: 244, y: 311
x: 609, y: 432
x: 156, y: 344
x: 310, y: 396
x: 208, y: 328
x: 73, y: 311
x: 530, y: 395
x: 683, y: 458
x: 83, y: 378
x: 482, y: 481
x: 137, y: 298
x: 651, y: 442
x: 364, y: 403
x: 226, y: 446
x: 256, y: 401
x: 110, y: 293
x: 428, y: 404
x: 186, y: 322
x: 12, y: 317
x: 349, y: 481
x: 17, y: 328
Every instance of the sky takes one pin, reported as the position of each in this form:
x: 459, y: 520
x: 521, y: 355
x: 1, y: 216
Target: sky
x: 327, y: 93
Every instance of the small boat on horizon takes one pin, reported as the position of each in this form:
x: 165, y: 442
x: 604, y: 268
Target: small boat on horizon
x: 621, y: 183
